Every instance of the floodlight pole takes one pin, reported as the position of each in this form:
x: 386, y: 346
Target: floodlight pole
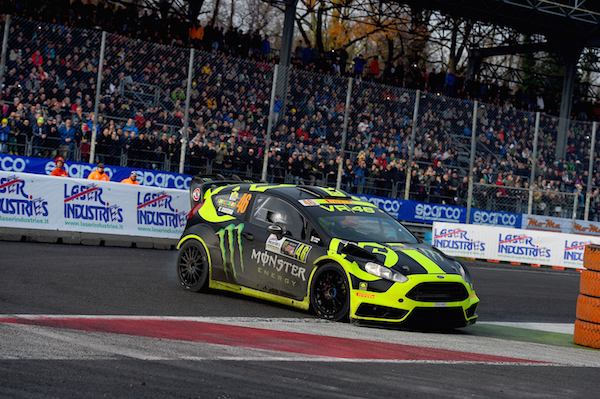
x: 97, y: 104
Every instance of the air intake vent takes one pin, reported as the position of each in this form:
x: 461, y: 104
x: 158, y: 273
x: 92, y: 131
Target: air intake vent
x: 438, y: 292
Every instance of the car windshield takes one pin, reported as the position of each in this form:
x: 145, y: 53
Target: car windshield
x: 372, y: 226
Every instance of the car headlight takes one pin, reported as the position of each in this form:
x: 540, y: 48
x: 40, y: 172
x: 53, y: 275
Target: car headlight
x: 459, y: 268
x: 464, y: 273
x: 385, y: 272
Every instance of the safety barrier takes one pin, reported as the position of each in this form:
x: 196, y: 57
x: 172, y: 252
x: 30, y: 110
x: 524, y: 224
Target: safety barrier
x: 498, y: 244
x: 587, y: 325
x: 69, y: 206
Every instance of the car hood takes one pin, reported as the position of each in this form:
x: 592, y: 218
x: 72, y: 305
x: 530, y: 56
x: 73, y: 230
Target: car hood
x: 407, y: 259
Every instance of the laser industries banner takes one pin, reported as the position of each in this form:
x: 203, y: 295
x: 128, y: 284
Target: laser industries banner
x: 56, y: 203
x: 511, y: 245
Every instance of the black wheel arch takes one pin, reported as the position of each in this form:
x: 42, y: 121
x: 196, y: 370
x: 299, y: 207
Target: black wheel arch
x: 204, y: 231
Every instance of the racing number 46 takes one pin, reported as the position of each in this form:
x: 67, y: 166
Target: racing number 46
x: 243, y: 203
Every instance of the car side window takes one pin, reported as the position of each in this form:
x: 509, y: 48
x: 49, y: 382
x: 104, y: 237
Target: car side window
x: 270, y: 210
x: 314, y: 236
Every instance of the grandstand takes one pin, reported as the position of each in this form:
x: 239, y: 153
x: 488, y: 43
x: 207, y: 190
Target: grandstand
x: 51, y: 76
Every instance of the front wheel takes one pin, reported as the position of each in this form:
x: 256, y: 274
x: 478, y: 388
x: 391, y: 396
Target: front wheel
x: 330, y: 292
x: 192, y: 265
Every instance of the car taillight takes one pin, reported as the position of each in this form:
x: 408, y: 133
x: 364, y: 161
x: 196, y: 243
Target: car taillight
x: 195, y: 209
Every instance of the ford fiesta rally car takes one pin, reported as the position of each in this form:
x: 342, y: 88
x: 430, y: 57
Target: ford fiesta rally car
x: 319, y: 248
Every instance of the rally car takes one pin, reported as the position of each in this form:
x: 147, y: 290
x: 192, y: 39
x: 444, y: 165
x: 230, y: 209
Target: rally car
x: 320, y: 248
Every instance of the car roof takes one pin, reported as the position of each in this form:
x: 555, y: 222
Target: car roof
x: 293, y: 192
x: 200, y: 184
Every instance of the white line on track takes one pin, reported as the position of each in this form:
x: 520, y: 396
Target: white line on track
x: 563, y: 328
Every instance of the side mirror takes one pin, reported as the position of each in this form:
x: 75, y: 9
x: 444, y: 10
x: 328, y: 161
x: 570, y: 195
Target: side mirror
x: 277, y: 230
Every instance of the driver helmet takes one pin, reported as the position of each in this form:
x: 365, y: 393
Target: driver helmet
x: 350, y: 222
x: 278, y: 217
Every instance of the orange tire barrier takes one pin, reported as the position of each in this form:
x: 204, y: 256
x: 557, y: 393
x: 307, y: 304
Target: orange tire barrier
x: 589, y: 283
x: 588, y: 309
x: 591, y: 257
x: 587, y: 334
x: 587, y: 325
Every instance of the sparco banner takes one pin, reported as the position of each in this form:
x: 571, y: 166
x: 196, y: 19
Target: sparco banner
x: 511, y: 245
x: 43, y: 166
x: 418, y: 212
x: 57, y: 203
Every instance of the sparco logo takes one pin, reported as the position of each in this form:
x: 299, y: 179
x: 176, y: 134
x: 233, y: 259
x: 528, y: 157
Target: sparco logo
x: 12, y: 164
x: 505, y: 219
x: 164, y: 180
x: 426, y: 211
x: 390, y: 206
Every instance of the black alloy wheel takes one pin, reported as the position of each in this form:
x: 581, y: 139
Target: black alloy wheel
x: 330, y: 292
x: 192, y: 265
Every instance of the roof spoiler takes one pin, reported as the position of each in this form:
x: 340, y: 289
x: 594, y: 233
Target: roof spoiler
x: 202, y: 183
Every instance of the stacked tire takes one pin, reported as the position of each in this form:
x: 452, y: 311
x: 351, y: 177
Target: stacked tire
x: 587, y: 325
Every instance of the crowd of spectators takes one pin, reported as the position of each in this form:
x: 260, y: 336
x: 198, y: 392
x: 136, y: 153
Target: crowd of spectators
x: 48, y: 110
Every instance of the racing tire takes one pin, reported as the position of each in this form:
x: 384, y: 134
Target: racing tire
x: 589, y: 283
x: 330, y: 292
x: 587, y: 334
x: 591, y: 257
x: 588, y: 309
x: 192, y: 266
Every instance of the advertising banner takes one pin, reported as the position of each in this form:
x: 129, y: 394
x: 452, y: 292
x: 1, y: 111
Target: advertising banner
x: 511, y: 245
x: 418, y: 212
x: 25, y: 204
x: 547, y: 223
x: 390, y: 205
x: 586, y: 228
x: 66, y: 204
x: 429, y: 213
x: 494, y: 218
x: 43, y: 166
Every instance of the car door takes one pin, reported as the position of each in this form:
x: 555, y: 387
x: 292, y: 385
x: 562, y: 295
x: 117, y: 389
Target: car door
x: 281, y: 265
x: 234, y: 238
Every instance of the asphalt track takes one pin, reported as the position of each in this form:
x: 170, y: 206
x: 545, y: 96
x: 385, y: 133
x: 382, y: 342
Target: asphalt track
x: 86, y: 321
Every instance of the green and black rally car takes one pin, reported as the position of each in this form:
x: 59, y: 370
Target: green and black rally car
x: 319, y: 248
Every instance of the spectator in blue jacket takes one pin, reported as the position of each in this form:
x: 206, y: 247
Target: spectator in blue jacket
x: 359, y: 65
x: 360, y: 173
x: 265, y: 47
x: 40, y: 133
x: 132, y: 128
x: 4, y: 134
x: 67, y: 140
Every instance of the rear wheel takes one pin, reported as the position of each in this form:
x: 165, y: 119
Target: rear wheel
x: 330, y: 292
x: 192, y: 265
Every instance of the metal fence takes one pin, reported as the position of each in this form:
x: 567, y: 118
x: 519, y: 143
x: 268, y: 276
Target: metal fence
x: 183, y: 110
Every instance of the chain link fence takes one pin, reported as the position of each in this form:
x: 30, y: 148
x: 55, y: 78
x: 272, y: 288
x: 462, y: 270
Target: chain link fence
x: 287, y: 125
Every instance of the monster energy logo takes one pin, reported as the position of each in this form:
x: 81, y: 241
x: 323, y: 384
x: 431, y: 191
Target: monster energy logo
x: 434, y: 256
x: 230, y: 239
